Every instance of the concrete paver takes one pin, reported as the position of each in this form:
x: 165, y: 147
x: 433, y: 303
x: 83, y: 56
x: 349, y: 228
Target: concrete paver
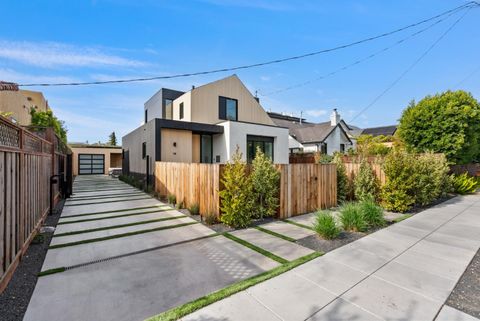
x: 451, y: 314
x: 287, y: 229
x: 93, y: 208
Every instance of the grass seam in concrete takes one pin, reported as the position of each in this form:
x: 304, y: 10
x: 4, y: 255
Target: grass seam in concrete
x: 112, y: 227
x: 115, y: 201
x: 192, y: 306
x: 284, y: 237
x: 255, y: 248
x: 51, y: 271
x: 299, y: 224
x: 108, y: 217
x: 122, y: 210
x: 116, y: 236
x: 86, y: 198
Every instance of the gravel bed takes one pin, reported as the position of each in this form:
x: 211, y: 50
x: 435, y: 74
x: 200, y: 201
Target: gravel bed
x: 14, y: 300
x: 466, y: 295
x: 316, y: 243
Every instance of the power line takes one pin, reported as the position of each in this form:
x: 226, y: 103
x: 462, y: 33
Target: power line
x: 464, y: 6
x: 357, y: 62
x: 420, y: 58
x: 458, y: 84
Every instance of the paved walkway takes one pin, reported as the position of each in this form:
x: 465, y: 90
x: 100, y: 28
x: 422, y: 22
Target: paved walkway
x: 127, y: 256
x: 403, y: 272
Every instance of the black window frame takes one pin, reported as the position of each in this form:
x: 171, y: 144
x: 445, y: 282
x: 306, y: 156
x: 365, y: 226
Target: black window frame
x: 222, y: 108
x: 342, y: 148
x: 324, y: 149
x: 144, y: 150
x: 91, y: 164
x: 180, y: 111
x: 201, y: 148
x: 259, y: 139
x: 146, y: 115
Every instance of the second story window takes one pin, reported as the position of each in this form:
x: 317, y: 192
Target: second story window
x: 227, y: 108
x: 146, y: 116
x: 181, y: 111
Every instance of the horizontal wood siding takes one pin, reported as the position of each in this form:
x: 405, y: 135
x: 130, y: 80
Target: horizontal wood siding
x: 303, y: 187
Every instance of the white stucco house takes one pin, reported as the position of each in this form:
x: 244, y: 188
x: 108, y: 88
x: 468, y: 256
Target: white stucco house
x: 203, y: 125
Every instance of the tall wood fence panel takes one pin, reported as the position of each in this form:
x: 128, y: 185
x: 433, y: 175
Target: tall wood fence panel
x: 303, y: 187
x: 25, y: 169
x: 353, y: 169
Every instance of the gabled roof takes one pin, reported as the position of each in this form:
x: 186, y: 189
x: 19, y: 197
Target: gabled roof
x: 383, y: 130
x: 314, y: 133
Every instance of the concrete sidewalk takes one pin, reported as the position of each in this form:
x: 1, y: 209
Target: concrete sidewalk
x: 403, y: 272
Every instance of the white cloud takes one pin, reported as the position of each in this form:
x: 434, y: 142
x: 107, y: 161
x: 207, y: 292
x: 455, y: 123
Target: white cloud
x: 18, y: 77
x: 265, y: 78
x: 55, y: 54
x: 316, y: 112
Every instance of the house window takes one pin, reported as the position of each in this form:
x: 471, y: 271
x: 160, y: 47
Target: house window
x: 206, y: 149
x: 227, y: 108
x: 181, y: 111
x: 168, y: 109
x: 144, y: 149
x: 342, y: 148
x: 264, y: 143
x: 146, y: 115
x: 323, y: 148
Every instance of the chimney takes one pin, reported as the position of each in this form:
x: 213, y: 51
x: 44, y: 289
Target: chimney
x: 334, y: 117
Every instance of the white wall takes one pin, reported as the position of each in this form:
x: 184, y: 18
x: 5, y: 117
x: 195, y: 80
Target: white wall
x: 154, y: 106
x: 235, y: 133
x: 334, y: 140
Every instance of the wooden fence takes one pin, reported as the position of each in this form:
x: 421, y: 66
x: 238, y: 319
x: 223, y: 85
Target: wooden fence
x: 352, y: 170
x: 27, y: 162
x: 303, y: 187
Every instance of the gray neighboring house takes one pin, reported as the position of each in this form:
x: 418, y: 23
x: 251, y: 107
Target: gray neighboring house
x: 326, y: 137
x: 378, y: 131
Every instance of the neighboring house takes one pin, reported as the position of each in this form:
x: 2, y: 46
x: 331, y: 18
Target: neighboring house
x: 95, y: 158
x: 380, y: 131
x: 203, y: 125
x: 19, y: 102
x: 326, y: 137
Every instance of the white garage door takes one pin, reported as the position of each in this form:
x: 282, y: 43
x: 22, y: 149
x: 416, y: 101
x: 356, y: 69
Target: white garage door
x: 89, y: 164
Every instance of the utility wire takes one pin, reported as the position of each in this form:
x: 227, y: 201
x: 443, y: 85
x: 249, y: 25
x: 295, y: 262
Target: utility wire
x: 418, y: 60
x: 357, y: 62
x: 458, y: 84
x: 464, y: 6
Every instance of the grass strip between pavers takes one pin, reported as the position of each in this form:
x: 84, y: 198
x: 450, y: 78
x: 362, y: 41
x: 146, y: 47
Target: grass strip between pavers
x: 116, y: 236
x: 122, y: 210
x: 286, y: 238
x: 192, y: 306
x: 299, y: 225
x: 86, y: 198
x: 114, y: 201
x: 112, y: 227
x: 115, y: 216
x: 51, y: 271
x: 256, y: 248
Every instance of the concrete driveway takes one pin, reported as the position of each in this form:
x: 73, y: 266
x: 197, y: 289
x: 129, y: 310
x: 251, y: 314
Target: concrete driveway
x: 119, y: 254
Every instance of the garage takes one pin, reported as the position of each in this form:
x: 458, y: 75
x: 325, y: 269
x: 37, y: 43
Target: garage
x: 91, y: 164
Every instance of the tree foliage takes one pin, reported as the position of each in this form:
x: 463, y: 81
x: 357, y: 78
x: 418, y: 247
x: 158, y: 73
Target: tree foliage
x: 447, y: 123
x: 342, y: 179
x: 366, y: 183
x: 48, y: 119
x: 112, y: 139
x: 265, y: 179
x: 367, y: 145
x: 236, y: 197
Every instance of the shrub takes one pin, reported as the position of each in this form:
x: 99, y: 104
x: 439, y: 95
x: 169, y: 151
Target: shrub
x: 365, y: 183
x: 372, y: 213
x: 236, y: 197
x: 367, y: 145
x: 211, y: 219
x: 465, y: 184
x: 324, y: 159
x: 194, y: 209
x: 352, y: 218
x: 179, y: 205
x: 325, y: 225
x: 172, y: 199
x: 265, y: 181
x: 342, y: 179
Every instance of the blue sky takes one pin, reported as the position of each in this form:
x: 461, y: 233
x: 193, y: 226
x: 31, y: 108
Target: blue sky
x: 56, y: 41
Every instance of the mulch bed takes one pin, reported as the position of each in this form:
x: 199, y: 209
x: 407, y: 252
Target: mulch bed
x: 316, y: 243
x: 466, y: 295
x: 14, y: 300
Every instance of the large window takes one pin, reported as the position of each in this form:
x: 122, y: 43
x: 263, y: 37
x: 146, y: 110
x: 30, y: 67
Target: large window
x: 206, y: 149
x: 168, y: 109
x: 265, y: 144
x: 227, y: 108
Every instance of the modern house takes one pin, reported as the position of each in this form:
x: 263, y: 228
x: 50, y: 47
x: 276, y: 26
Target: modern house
x: 326, y: 137
x: 97, y: 159
x: 203, y: 125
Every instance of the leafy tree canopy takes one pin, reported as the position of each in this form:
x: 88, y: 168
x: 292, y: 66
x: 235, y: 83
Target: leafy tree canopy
x: 48, y: 119
x: 447, y: 123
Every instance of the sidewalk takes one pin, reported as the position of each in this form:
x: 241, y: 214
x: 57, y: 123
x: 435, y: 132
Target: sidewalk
x: 403, y: 272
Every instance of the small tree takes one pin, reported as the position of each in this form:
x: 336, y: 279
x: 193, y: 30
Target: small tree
x: 342, y: 179
x: 48, y: 119
x: 265, y: 180
x: 236, y: 197
x: 366, y: 184
x: 112, y: 139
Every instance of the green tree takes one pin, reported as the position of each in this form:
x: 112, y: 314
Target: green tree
x: 342, y: 179
x: 236, y: 197
x: 265, y: 180
x: 112, y: 139
x: 365, y: 183
x: 48, y: 119
x: 447, y: 123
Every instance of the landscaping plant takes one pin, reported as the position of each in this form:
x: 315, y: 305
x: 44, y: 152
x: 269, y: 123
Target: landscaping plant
x: 365, y: 183
x: 194, y: 209
x: 465, y: 184
x: 325, y: 225
x: 372, y: 213
x: 265, y: 182
x: 342, y: 179
x: 211, y: 219
x: 236, y: 197
x: 172, y: 199
x: 352, y: 218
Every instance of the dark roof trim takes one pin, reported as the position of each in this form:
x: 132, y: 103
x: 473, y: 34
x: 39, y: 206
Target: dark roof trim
x: 184, y: 125
x: 382, y: 130
x: 247, y: 122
